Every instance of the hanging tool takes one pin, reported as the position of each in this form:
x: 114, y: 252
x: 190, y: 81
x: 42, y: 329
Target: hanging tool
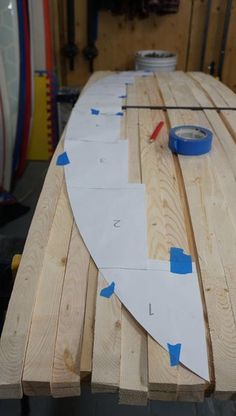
x: 90, y: 51
x: 70, y: 49
x: 211, y: 68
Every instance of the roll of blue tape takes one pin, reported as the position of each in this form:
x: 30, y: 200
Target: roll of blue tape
x: 190, y: 140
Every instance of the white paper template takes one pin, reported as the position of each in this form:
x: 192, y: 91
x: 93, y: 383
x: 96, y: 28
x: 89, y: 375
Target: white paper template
x: 111, y: 217
x: 123, y: 78
x: 102, y: 128
x: 97, y: 165
x: 164, y: 265
x: 169, y: 307
x: 107, y: 89
x: 112, y: 223
x: 110, y: 107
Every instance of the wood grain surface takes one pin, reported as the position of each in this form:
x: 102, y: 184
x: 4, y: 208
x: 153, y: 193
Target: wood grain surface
x: 59, y: 330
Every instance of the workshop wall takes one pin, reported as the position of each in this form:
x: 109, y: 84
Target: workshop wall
x: 119, y: 38
x: 229, y: 68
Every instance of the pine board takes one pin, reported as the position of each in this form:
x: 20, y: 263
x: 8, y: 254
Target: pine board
x: 133, y: 365
x: 14, y: 337
x: 107, y: 342
x: 191, y: 204
x: 66, y: 364
x: 208, y: 208
x: 38, y: 365
x: 166, y: 227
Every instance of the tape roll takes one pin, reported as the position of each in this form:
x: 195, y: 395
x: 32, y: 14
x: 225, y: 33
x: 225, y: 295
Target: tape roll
x: 190, y: 140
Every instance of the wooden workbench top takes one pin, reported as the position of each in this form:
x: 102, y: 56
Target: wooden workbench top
x: 58, y: 331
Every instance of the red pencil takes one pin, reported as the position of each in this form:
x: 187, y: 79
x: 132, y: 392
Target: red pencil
x: 156, y: 131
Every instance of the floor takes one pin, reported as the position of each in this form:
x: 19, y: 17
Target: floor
x: 12, y: 238
x: 27, y: 191
x: 107, y: 405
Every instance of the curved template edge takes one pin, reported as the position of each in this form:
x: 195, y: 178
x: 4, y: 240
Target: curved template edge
x: 194, y: 350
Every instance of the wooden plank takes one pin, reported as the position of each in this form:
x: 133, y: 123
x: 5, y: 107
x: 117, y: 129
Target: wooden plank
x: 204, y: 199
x: 159, y: 175
x: 133, y: 365
x: 223, y: 149
x: 66, y: 377
x: 133, y: 368
x: 133, y: 139
x: 225, y: 229
x: 103, y: 381
x: 220, y: 95
x: 88, y: 333
x: 87, y: 344
x: 66, y: 365
x: 16, y: 329
x: 221, y: 89
x: 15, y: 333
x: 217, y: 121
x: 161, y: 375
x: 40, y: 350
x: 132, y: 342
x: 222, y: 153
x: 107, y: 342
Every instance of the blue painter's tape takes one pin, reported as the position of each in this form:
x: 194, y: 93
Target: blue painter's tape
x: 63, y: 159
x: 122, y: 96
x: 174, y: 352
x: 119, y: 113
x: 108, y: 291
x: 190, y: 140
x: 180, y: 262
x: 94, y: 111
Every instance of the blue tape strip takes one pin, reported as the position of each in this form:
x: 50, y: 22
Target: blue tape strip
x: 180, y: 262
x: 174, y: 353
x: 63, y: 159
x: 94, y: 111
x: 119, y: 113
x: 122, y: 96
x: 108, y: 291
x: 190, y: 140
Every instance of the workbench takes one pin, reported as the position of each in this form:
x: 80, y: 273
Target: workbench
x: 58, y: 332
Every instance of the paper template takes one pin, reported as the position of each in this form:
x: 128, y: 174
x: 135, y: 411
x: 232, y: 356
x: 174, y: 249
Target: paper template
x: 169, y: 307
x: 107, y: 89
x: 109, y: 107
x: 111, y: 217
x: 102, y: 128
x: 164, y: 265
x: 112, y: 223
x: 122, y: 78
x: 97, y: 165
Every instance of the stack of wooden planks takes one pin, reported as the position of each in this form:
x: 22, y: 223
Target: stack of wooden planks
x: 58, y: 329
